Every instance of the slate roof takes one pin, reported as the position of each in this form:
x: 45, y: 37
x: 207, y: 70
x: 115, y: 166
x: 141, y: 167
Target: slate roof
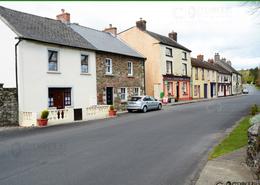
x: 104, y: 41
x: 32, y: 27
x: 230, y: 68
x: 196, y: 63
x: 167, y: 41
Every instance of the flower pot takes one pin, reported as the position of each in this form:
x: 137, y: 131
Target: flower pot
x: 42, y: 122
x: 112, y: 112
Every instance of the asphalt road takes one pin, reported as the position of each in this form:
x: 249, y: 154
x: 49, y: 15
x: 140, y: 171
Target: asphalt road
x: 157, y: 148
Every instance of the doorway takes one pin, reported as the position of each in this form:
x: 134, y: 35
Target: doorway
x: 109, y: 95
x: 205, y: 90
x: 59, y: 97
x: 177, y: 91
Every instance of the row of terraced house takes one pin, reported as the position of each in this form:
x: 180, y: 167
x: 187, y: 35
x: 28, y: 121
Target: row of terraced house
x: 76, y: 71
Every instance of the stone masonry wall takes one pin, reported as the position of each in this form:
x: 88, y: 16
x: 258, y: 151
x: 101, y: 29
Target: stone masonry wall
x: 8, y: 106
x: 119, y: 78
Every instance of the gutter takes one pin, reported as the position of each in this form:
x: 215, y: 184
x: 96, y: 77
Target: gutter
x: 16, y: 71
x: 144, y: 77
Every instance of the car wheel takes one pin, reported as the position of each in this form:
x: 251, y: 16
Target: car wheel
x: 159, y: 107
x: 129, y: 110
x: 144, y: 109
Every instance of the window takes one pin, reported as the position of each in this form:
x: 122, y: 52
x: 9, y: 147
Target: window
x: 169, y: 52
x: 84, y: 64
x: 196, y: 74
x: 168, y: 67
x: 130, y: 68
x: 67, y: 97
x: 195, y: 90
x: 136, y: 91
x: 184, y: 69
x: 184, y: 56
x: 123, y: 94
x: 202, y: 74
x: 184, y: 88
x: 51, y: 101
x: 108, y: 66
x: 52, y: 60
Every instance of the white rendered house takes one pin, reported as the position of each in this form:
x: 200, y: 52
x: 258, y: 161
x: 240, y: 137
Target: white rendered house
x: 52, y: 66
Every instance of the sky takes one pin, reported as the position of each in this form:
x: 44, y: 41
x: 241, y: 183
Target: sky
x: 227, y: 28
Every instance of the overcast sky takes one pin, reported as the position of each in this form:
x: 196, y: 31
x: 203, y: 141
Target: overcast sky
x: 204, y: 27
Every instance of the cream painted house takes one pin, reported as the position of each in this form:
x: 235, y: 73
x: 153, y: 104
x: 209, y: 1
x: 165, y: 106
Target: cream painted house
x: 204, y: 78
x: 168, y: 64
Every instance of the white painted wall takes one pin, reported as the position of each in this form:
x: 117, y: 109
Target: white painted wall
x: 7, y: 55
x: 34, y: 78
x: 176, y: 61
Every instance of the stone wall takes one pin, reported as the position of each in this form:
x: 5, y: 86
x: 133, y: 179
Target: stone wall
x: 8, y: 106
x: 253, y: 148
x: 120, y: 77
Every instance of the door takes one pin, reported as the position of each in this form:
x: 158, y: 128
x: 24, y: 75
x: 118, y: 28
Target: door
x: 177, y: 90
x: 225, y: 93
x: 205, y: 90
x: 211, y: 90
x: 109, y: 95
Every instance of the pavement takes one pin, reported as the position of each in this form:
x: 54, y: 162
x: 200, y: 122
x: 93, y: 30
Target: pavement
x: 227, y: 168
x: 166, y: 147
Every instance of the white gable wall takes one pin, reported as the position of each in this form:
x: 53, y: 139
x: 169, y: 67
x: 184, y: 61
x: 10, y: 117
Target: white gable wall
x: 7, y: 55
x: 34, y: 78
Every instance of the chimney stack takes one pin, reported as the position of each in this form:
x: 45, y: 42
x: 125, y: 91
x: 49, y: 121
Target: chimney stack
x: 141, y: 24
x: 210, y: 61
x: 111, y: 29
x: 229, y: 63
x: 1, y: 85
x: 223, y: 60
x: 217, y: 57
x: 173, y: 35
x: 64, y: 17
x: 200, y: 58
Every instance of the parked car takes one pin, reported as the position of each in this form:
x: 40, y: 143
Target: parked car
x: 143, y: 103
x: 245, y: 91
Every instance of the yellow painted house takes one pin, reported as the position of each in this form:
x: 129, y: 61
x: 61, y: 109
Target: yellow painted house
x: 204, y: 78
x: 168, y: 64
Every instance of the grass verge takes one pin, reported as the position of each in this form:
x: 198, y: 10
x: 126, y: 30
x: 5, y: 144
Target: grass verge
x: 235, y: 140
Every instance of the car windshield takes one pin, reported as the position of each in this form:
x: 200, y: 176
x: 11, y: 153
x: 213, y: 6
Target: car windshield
x: 135, y: 98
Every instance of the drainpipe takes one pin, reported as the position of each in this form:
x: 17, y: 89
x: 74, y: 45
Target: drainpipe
x: 144, y: 77
x: 16, y: 73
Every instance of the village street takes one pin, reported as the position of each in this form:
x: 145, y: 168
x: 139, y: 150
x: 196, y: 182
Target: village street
x: 156, y: 148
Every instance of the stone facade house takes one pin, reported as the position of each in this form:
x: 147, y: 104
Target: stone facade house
x: 119, y: 68
x: 168, y: 64
x: 204, y: 78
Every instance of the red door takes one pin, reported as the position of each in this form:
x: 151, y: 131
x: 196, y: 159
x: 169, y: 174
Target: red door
x: 58, y: 99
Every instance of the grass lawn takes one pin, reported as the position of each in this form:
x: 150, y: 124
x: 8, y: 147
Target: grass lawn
x: 235, y: 140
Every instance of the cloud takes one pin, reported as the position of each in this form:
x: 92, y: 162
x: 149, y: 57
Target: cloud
x: 203, y: 27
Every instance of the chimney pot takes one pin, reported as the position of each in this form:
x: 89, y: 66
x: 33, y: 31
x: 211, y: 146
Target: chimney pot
x: 63, y: 17
x: 141, y: 24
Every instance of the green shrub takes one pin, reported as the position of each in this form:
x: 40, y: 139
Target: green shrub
x: 111, y: 107
x: 161, y: 95
x: 44, y: 114
x: 254, y: 109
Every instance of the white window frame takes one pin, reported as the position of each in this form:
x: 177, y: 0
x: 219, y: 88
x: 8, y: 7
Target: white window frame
x: 125, y: 93
x: 167, y: 67
x: 110, y: 66
x: 83, y: 72
x: 138, y: 94
x: 58, y: 62
x: 170, y: 52
x: 184, y: 55
x: 184, y: 69
x: 131, y: 69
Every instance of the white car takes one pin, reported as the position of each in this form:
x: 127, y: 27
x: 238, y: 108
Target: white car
x: 143, y: 103
x: 245, y: 91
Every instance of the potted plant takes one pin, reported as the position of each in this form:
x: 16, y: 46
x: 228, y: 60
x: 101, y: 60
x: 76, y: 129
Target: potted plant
x: 44, y: 118
x: 112, y: 111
